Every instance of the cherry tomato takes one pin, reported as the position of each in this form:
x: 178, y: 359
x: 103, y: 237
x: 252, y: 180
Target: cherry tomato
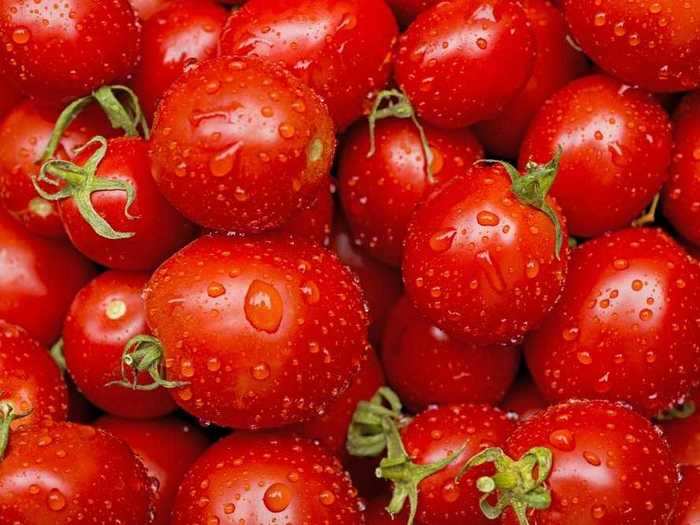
x: 684, y: 437
x: 267, y: 479
x: 523, y: 399
x: 104, y: 316
x: 407, y: 10
x: 617, y: 150
x: 688, y: 510
x: 459, y: 373
x: 626, y: 328
x: 342, y: 50
x: 451, y: 60
x: 653, y: 44
x: 230, y: 155
x: 167, y: 447
x: 315, y: 222
x: 60, y: 51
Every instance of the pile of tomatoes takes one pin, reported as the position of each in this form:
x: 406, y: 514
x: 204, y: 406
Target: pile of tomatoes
x: 346, y: 262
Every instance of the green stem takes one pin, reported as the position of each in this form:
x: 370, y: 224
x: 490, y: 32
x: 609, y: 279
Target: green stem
x: 366, y: 435
x: 680, y: 411
x: 56, y: 354
x: 649, y: 216
x: 7, y: 416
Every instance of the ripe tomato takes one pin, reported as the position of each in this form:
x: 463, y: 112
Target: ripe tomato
x: 459, y: 373
x: 684, y: 437
x: 655, y: 45
x: 342, y: 50
x: 627, y: 326
x: 267, y: 479
x: 617, y: 150
x: 255, y: 156
x: 688, y: 510
x: 523, y: 399
x: 167, y: 447
x: 451, y: 60
x: 482, y: 264
x: 60, y: 51
x: 104, y: 316
x: 315, y: 222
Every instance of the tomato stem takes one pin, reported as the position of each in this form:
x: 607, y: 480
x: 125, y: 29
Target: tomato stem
x: 56, y: 354
x: 680, y: 411
x: 366, y: 436
x: 7, y: 416
x: 649, y: 216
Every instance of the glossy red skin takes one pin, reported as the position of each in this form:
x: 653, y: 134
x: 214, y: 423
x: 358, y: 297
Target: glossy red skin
x: 181, y: 32
x: 460, y: 84
x: 376, y: 513
x: 459, y: 373
x: 65, y: 50
x: 380, y: 193
x: 159, y: 230
x: 483, y: 284
x: 94, y: 343
x: 230, y: 480
x: 341, y: 49
x: 601, y: 466
x: 688, y: 509
x: 29, y: 379
x: 616, y: 156
x: 167, y: 447
x: 681, y: 198
x: 523, y: 399
x: 433, y: 435
x: 77, y: 470
x: 684, y: 437
x: 316, y: 221
x: 556, y: 63
x: 614, y: 337
x: 407, y: 10
x: 9, y: 98
x: 145, y: 9
x: 653, y: 44
x: 303, y: 341
x: 38, y: 280
x: 213, y: 120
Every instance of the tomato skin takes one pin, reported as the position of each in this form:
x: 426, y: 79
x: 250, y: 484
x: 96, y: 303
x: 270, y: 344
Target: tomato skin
x: 626, y: 327
x: 342, y: 50
x: 615, y: 158
x: 459, y: 373
x: 503, y: 135
x: 145, y: 9
x: 315, y: 222
x: 523, y: 399
x: 267, y: 479
x: 9, y: 98
x: 454, y: 266
x: 657, y: 48
x: 167, y: 447
x: 468, y: 73
x: 688, y: 509
x: 684, y: 437
x: 57, y: 52
x: 380, y: 193
x: 102, y: 318
x: 249, y: 177
x: 294, y: 335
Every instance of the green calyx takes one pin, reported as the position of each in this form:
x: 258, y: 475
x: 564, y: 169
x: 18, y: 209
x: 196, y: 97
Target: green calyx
x: 7, y: 416
x: 679, y: 411
x: 516, y: 483
x: 366, y: 434
x: 56, y: 354
x: 144, y: 353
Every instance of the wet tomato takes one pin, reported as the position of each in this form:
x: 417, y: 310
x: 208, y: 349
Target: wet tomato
x: 316, y: 221
x: 684, y: 437
x: 9, y: 98
x: 688, y: 510
x: 523, y: 399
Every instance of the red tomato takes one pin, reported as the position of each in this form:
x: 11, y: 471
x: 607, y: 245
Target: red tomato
x: 524, y: 399
x: 267, y: 479
x: 341, y: 49
x: 481, y: 264
x: 76, y: 473
x: 60, y: 51
x: 451, y: 60
x: 147, y: 8
x: 681, y: 204
x: 407, y: 10
x: 653, y: 44
x: 459, y: 373
x: 180, y: 33
x: 556, y: 63
x: 315, y: 222
x: 380, y: 192
x: 167, y: 447
x: 38, y: 280
x: 617, y: 150
x: 626, y: 328
x: 233, y: 156
x: 104, y: 316
x: 9, y: 98
x: 688, y: 510
x: 684, y: 437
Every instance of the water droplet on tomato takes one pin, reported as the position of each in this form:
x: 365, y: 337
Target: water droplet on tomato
x: 591, y: 458
x: 563, y: 440
x: 493, y: 276
x: 442, y: 241
x: 450, y: 492
x: 215, y: 289
x: 261, y: 371
x: 598, y: 511
x: 222, y: 163
x: 56, y: 500
x: 311, y: 292
x: 621, y: 264
x: 327, y: 498
x: 213, y: 364
x: 486, y: 218
x: 277, y: 497
x: 229, y: 508
x: 186, y: 368
x: 570, y: 334
x: 21, y: 35
x: 263, y: 306
x: 646, y: 314
x: 532, y: 269
x: 287, y: 130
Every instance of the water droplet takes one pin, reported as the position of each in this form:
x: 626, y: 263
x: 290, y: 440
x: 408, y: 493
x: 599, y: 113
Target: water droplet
x: 212, y: 87
x: 484, y: 260
x: 261, y: 371
x: 591, y: 458
x: 598, y: 511
x: 299, y: 106
x: 56, y: 500
x: 186, y: 368
x: 450, y: 492
x: 213, y: 364
x: 263, y: 306
x: 599, y: 19
x: 115, y: 309
x: 267, y: 111
x: 185, y: 394
x: 34, y: 489
x: 646, y: 314
x: 222, y: 163
x: 277, y: 497
x: 327, y: 497
x: 563, y: 440
x: 442, y: 241
x: 287, y: 130
x: 532, y: 269
x: 584, y: 358
x: 570, y: 334
x: 215, y: 289
x: 482, y: 43
x: 21, y: 35
x: 229, y: 508
x: 621, y: 264
x: 486, y: 218
x: 637, y: 285
x: 311, y: 292
x: 213, y: 520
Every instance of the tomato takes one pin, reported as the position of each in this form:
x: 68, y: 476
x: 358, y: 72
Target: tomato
x: 617, y: 150
x: 451, y: 60
x: 104, y: 316
x: 76, y: 472
x: 376, y: 513
x: 655, y: 45
x: 459, y: 373
x: 230, y: 155
x: 627, y: 326
x: 181, y: 32
x: 147, y: 8
x: 681, y: 202
x: 688, y: 510
x: 38, y: 279
x: 380, y: 192
x: 523, y: 399
x: 684, y: 437
x: 60, y: 51
x: 267, y: 479
x: 482, y: 264
x: 556, y: 63
x: 341, y: 49
x: 407, y: 10
x: 9, y: 98
x: 167, y: 447
x: 315, y: 222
